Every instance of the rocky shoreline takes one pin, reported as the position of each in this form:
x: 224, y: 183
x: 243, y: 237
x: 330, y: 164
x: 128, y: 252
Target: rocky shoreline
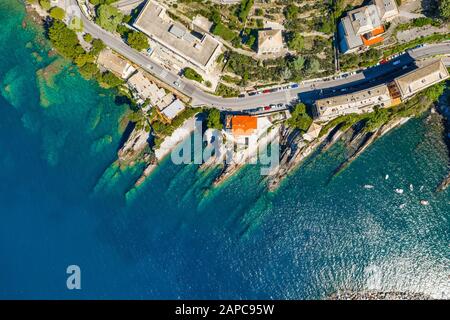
x: 379, y: 295
x: 443, y: 109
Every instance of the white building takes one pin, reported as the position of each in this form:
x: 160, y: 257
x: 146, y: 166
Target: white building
x: 178, y: 44
x: 173, y: 109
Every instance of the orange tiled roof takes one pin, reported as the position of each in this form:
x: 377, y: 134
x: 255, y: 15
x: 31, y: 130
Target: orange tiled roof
x: 243, y: 125
x: 378, y: 31
x: 372, y: 41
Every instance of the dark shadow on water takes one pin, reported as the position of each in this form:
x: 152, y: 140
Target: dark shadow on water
x: 126, y: 134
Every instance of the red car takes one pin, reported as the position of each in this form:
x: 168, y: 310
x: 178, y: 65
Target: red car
x: 266, y: 91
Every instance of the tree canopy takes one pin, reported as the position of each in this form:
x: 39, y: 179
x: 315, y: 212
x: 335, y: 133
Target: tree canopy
x: 299, y: 118
x: 192, y: 75
x: 296, y: 42
x: 45, y: 4
x: 137, y: 40
x: 108, y: 17
x: 64, y: 40
x: 213, y: 119
x: 57, y: 13
x: 444, y: 8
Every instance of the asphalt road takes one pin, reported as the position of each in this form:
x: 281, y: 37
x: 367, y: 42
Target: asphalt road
x: 306, y: 91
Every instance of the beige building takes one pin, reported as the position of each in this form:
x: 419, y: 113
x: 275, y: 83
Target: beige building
x: 114, y: 63
x: 358, y: 102
x: 421, y: 78
x: 387, y: 9
x: 176, y: 41
x: 145, y: 89
x: 270, y: 41
x: 313, y: 132
x: 201, y: 24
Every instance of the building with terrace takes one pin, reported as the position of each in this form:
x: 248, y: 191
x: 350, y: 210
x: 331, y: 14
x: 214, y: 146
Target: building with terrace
x: 365, y: 26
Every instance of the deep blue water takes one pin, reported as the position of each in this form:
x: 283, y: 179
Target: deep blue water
x: 62, y: 203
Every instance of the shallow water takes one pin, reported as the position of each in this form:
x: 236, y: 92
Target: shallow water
x: 62, y: 203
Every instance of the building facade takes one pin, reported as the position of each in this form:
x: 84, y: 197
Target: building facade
x: 358, y: 102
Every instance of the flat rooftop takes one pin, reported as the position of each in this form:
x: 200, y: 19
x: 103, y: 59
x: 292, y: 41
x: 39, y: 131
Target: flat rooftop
x: 353, y: 97
x: 154, y: 22
x: 422, y: 78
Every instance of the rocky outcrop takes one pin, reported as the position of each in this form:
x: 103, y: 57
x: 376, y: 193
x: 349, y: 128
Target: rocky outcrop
x: 241, y: 158
x: 293, y: 150
x: 360, y: 140
x: 135, y: 148
x: 444, y: 184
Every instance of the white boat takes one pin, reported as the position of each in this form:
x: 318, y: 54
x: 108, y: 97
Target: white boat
x: 368, y: 186
x: 421, y: 188
x: 402, y: 205
x: 386, y: 177
x: 424, y: 202
x: 411, y: 187
x: 399, y: 191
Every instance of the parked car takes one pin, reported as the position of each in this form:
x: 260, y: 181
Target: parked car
x: 241, y: 95
x: 266, y: 91
x: 294, y: 85
x: 252, y: 93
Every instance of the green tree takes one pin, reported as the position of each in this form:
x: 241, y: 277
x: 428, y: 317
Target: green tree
x: 298, y: 63
x: 377, y: 118
x: 244, y: 9
x: 444, y: 8
x: 110, y: 80
x: 45, y: 4
x: 251, y: 40
x: 299, y: 118
x: 296, y: 42
x: 84, y: 58
x: 57, y: 13
x: 97, y: 46
x: 108, y: 17
x: 88, y: 70
x: 192, y: 75
x: 213, y: 119
x: 64, y: 40
x: 137, y: 40
x: 291, y: 11
x: 87, y: 37
x: 312, y: 65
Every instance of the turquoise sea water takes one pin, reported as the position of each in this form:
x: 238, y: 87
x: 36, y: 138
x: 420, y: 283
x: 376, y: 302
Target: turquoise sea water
x: 176, y: 237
